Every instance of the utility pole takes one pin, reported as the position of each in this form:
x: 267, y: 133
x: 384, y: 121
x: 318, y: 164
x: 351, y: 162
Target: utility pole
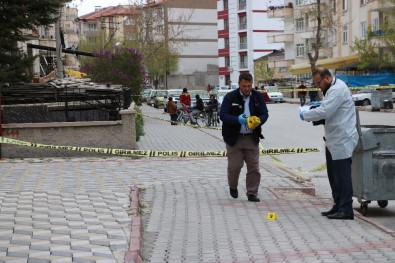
x: 59, y: 62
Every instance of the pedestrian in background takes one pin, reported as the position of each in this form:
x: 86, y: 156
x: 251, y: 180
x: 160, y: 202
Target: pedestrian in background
x: 185, y: 98
x: 172, y: 110
x: 302, y: 93
x: 338, y: 110
x: 241, y: 141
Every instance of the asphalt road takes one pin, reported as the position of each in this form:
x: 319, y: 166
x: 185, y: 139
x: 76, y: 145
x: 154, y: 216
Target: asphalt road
x: 284, y: 129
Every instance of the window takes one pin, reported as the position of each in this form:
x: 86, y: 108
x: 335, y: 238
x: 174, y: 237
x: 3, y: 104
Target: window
x: 226, y: 42
x: 345, y: 33
x: 363, y: 30
x: 242, y: 22
x: 226, y: 24
x: 364, y: 2
x: 159, y: 13
x: 129, y: 21
x: 282, y: 69
x: 344, y: 4
x: 159, y: 29
x: 299, y: 50
x: 299, y: 24
x: 92, y: 40
x: 227, y: 62
x: 243, y: 61
x: 242, y: 4
x: 243, y: 42
x: 375, y: 24
x: 299, y: 2
x: 225, y: 4
x: 92, y: 27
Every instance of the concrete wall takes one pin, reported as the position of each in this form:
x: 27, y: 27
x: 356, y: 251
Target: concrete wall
x: 119, y: 134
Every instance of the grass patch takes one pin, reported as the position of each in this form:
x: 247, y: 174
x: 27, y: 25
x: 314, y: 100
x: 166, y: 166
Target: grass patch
x: 319, y: 168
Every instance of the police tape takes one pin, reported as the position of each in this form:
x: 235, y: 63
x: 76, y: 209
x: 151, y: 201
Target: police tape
x: 152, y: 153
x: 294, y: 89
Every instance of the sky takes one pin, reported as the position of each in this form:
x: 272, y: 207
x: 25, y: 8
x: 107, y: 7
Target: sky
x: 87, y: 6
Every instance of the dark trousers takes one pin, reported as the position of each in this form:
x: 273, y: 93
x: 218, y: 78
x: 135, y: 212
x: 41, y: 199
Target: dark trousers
x: 173, y: 119
x: 339, y: 175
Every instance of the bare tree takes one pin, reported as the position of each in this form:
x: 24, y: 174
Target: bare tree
x: 159, y: 33
x: 318, y: 16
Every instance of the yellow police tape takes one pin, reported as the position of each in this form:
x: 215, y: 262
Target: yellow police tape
x: 293, y: 89
x: 151, y: 153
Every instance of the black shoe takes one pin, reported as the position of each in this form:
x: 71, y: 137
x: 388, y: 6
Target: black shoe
x: 253, y: 198
x: 234, y: 193
x: 342, y: 215
x: 330, y: 212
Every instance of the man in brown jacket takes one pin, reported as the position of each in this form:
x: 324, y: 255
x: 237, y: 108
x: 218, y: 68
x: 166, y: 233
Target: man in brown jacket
x: 172, y: 110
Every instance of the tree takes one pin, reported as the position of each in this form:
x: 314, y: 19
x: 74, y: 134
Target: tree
x: 159, y: 40
x: 262, y: 72
x: 377, y: 49
x: 17, y: 17
x: 320, y: 16
x: 124, y: 67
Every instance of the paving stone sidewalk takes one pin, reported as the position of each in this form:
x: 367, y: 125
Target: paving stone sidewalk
x: 77, y: 210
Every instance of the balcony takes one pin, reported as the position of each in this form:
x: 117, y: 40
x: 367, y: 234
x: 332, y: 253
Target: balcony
x: 280, y: 38
x: 242, y: 26
x: 242, y: 6
x: 243, y: 65
x: 279, y: 11
x: 243, y: 45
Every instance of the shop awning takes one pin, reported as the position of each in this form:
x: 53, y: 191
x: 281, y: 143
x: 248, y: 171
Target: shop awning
x: 330, y: 63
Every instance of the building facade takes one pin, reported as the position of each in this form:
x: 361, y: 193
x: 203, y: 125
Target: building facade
x: 343, y: 21
x: 190, y: 29
x: 243, y: 30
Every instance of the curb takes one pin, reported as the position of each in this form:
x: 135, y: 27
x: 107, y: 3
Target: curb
x: 133, y: 255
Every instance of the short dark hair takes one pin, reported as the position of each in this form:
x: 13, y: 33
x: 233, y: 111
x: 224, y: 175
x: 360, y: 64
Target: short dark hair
x: 171, y: 98
x: 245, y: 76
x: 184, y: 90
x: 197, y: 96
x: 322, y: 72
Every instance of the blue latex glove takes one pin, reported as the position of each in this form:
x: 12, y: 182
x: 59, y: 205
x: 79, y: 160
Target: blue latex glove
x: 315, y: 103
x: 301, y: 115
x: 242, y: 119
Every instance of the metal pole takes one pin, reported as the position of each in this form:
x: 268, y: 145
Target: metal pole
x: 59, y: 62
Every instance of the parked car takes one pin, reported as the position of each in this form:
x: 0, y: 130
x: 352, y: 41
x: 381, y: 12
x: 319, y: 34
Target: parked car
x: 159, y: 98
x: 162, y: 99
x: 204, y: 95
x: 274, y: 95
x: 220, y: 89
x: 151, y: 99
x: 144, y: 95
x: 364, y: 96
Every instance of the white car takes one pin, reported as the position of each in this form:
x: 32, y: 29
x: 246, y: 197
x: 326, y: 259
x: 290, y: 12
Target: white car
x: 364, y: 96
x: 274, y: 95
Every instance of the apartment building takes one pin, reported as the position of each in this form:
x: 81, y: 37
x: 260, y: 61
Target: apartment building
x: 44, y: 37
x: 343, y: 21
x: 190, y: 29
x: 105, y: 27
x: 243, y: 30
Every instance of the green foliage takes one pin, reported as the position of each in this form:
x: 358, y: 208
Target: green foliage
x: 16, y: 17
x: 124, y: 67
x: 139, y: 123
x: 262, y: 72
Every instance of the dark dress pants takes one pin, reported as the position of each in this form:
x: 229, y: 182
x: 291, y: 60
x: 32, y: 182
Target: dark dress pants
x: 339, y: 175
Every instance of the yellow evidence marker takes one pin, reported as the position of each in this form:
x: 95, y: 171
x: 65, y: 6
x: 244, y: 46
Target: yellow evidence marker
x: 271, y: 216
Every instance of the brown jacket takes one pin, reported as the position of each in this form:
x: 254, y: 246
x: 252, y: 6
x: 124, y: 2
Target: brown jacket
x: 171, y: 108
